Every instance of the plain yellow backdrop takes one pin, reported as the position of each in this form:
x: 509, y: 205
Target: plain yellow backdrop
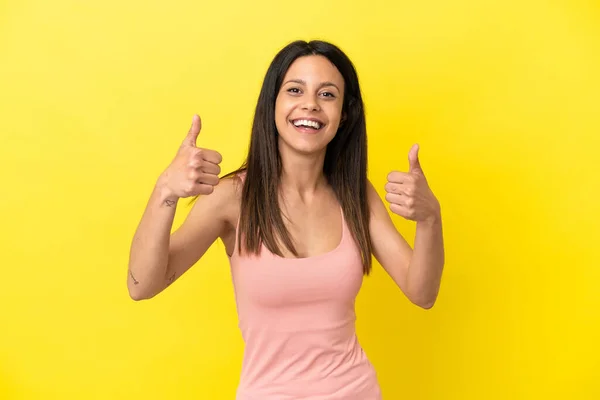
x: 502, y: 96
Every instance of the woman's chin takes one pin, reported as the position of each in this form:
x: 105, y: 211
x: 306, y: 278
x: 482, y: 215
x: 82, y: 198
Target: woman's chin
x: 302, y: 148
x: 302, y: 143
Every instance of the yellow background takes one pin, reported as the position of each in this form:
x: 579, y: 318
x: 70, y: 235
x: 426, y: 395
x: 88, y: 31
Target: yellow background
x: 503, y: 97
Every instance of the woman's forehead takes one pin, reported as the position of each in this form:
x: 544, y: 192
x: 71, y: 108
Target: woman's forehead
x: 313, y: 70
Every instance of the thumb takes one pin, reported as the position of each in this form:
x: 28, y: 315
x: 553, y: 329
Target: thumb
x: 192, y: 136
x: 413, y: 159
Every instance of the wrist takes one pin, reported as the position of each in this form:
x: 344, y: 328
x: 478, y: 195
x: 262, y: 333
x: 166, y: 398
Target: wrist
x: 165, y: 194
x: 435, y: 218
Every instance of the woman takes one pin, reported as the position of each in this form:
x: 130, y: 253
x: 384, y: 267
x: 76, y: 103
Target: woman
x: 300, y: 222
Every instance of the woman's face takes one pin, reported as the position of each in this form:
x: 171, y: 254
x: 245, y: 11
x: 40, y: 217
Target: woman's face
x: 308, y: 107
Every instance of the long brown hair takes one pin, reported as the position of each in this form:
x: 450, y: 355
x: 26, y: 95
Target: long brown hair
x: 345, y: 166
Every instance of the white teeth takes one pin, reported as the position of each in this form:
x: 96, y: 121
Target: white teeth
x: 305, y: 122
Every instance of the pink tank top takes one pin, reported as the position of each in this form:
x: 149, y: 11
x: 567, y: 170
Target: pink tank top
x: 297, y: 319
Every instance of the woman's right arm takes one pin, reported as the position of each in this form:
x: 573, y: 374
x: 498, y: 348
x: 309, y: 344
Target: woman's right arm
x: 158, y: 257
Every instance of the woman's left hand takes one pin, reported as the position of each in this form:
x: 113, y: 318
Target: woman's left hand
x: 408, y: 193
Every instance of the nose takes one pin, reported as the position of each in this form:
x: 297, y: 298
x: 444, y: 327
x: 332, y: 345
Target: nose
x: 310, y: 103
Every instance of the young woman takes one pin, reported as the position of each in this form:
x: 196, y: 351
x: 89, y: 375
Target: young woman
x: 300, y: 222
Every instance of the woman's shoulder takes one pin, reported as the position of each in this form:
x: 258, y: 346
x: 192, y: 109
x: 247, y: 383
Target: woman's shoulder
x: 228, y: 194
x: 224, y: 202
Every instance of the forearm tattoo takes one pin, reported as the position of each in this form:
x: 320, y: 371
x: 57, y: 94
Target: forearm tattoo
x: 170, y: 203
x: 135, y: 282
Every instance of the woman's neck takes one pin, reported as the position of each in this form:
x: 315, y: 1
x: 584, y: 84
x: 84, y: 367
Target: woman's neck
x: 302, y: 174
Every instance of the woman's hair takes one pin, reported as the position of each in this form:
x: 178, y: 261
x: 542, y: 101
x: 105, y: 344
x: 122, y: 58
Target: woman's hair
x: 345, y: 166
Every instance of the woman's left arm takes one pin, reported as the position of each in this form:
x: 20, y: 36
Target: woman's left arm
x: 418, y: 271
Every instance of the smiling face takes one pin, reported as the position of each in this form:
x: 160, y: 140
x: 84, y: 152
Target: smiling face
x: 309, y: 104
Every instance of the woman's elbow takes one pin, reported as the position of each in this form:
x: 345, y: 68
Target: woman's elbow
x: 427, y: 305
x: 136, y: 296
x: 137, y: 293
x: 425, y: 302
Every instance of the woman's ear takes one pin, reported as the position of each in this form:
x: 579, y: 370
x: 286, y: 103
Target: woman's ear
x: 343, y: 119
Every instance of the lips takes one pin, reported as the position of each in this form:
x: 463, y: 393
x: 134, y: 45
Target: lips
x: 307, y: 124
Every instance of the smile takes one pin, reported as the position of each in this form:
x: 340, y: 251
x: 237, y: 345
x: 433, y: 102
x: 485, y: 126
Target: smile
x: 307, y: 123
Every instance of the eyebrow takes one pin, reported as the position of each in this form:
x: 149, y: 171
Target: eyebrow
x: 323, y: 84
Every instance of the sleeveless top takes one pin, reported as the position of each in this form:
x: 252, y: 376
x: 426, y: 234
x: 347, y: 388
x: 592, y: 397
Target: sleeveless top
x: 297, y: 319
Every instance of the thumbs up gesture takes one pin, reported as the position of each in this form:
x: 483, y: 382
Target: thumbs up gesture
x: 193, y: 171
x: 408, y: 193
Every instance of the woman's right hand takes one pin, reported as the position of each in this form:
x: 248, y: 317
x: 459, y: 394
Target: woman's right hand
x: 194, y: 171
